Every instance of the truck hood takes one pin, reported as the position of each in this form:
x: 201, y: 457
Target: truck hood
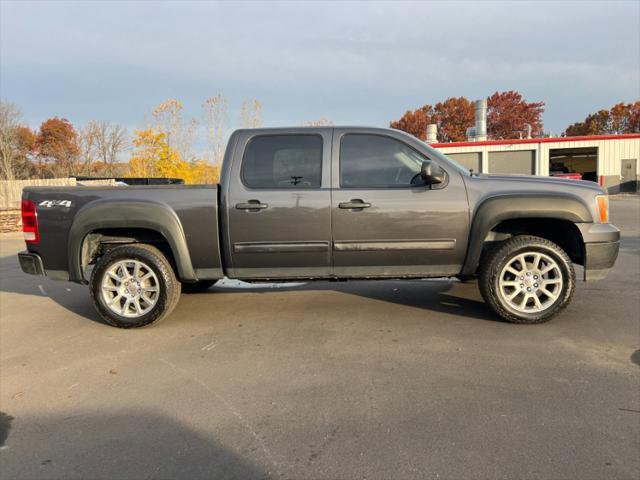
x: 541, y: 182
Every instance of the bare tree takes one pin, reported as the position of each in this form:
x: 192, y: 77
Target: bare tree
x: 112, y: 141
x: 9, y: 118
x: 88, y: 145
x: 169, y: 119
x: 251, y: 114
x: 102, y: 142
x: 321, y: 122
x: 216, y: 118
x: 16, y: 141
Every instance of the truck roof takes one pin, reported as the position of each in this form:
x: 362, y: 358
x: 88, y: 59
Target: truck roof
x: 307, y: 128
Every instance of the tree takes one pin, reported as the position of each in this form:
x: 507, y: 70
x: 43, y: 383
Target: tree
x: 415, y: 122
x: 203, y: 172
x: 508, y: 113
x: 634, y: 118
x: 168, y: 117
x: 154, y: 157
x: 149, y: 148
x: 88, y: 145
x: 16, y: 144
x: 57, y: 140
x: 100, y: 143
x: 217, y: 118
x: 251, y: 114
x: 453, y: 117
x: 621, y: 118
x: 112, y: 140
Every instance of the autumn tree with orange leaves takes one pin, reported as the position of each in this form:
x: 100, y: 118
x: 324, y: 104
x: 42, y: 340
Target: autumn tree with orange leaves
x: 507, y: 116
x: 621, y: 118
x: 57, y: 142
x: 453, y: 117
x: 415, y: 121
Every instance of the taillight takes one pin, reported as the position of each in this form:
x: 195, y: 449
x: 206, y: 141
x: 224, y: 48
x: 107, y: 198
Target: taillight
x: 602, y: 204
x: 30, y: 222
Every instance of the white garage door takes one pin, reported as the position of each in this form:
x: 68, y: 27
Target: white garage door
x: 470, y: 160
x: 521, y: 161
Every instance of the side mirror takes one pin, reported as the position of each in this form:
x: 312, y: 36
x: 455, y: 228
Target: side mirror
x: 431, y: 173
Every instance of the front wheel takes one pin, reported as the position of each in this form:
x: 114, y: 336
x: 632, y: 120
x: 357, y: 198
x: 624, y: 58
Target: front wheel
x: 527, y: 279
x: 133, y: 286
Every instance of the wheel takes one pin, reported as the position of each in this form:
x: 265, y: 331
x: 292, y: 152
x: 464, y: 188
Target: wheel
x: 527, y: 279
x: 133, y: 286
x: 197, y: 287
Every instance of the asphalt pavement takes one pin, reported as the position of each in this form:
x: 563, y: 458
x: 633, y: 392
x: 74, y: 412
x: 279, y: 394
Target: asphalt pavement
x: 358, y: 380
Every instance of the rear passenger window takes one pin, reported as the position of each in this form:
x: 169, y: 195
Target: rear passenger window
x: 283, y: 161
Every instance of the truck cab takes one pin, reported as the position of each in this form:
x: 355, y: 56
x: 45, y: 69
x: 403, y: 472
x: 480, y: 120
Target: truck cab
x: 339, y: 202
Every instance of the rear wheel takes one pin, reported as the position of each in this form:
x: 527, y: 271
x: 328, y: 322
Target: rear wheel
x: 133, y: 286
x: 527, y: 279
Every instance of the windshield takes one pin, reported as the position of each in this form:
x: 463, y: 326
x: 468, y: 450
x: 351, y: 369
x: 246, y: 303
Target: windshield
x: 436, y: 153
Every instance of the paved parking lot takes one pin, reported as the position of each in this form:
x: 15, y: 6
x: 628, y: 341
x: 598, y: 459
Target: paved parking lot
x: 358, y: 380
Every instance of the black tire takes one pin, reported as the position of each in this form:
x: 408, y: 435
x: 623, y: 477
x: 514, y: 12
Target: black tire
x: 496, y: 260
x: 197, y: 287
x: 168, y: 285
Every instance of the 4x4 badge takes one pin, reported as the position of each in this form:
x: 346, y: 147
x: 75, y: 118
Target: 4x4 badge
x: 55, y: 203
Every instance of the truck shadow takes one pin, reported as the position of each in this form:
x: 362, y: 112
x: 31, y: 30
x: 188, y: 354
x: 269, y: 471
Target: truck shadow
x: 443, y: 296
x: 70, y: 296
x: 128, y: 444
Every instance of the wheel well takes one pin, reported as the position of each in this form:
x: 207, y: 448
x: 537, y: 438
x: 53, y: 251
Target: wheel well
x: 100, y: 241
x: 561, y: 232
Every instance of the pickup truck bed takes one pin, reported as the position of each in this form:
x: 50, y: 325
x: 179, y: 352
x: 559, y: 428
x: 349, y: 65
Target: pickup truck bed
x: 184, y: 216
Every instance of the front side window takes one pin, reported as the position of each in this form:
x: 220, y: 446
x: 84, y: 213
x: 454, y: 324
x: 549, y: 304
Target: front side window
x: 378, y: 161
x: 283, y: 161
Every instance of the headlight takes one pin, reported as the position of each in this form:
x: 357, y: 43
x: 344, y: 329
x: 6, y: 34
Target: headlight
x: 602, y: 207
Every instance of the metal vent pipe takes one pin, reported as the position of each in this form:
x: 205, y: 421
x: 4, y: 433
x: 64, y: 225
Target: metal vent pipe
x: 481, y: 120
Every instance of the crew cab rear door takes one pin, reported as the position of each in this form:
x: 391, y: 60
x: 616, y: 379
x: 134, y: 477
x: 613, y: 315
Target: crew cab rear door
x: 278, y: 204
x: 383, y: 224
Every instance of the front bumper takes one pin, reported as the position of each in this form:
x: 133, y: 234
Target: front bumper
x: 31, y: 263
x: 601, y: 246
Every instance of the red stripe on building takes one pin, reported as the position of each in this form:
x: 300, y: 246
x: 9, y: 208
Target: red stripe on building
x: 624, y: 136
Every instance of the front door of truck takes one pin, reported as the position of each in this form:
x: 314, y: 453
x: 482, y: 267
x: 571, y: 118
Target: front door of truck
x: 386, y: 222
x: 278, y: 205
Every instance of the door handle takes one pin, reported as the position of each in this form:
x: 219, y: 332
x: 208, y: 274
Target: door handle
x: 355, y: 204
x: 252, y: 205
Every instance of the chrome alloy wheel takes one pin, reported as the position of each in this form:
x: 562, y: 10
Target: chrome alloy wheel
x: 130, y: 288
x: 530, y: 282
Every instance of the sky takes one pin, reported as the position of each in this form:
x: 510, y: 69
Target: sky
x: 359, y: 63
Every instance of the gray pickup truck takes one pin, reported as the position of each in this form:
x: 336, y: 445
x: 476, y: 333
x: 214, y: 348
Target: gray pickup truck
x: 323, y: 204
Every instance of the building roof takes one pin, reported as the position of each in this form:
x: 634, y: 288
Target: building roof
x: 517, y: 141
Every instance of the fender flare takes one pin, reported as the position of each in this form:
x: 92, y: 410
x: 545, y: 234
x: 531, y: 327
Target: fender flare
x: 128, y: 213
x: 496, y: 209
